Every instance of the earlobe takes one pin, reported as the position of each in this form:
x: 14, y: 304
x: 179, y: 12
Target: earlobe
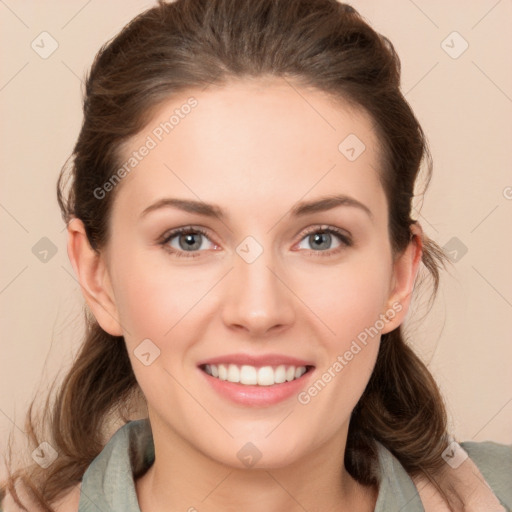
x: 92, y: 274
x: 405, y: 270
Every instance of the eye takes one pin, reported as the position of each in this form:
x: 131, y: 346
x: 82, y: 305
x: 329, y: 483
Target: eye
x: 185, y: 240
x: 321, y: 239
x: 189, y: 241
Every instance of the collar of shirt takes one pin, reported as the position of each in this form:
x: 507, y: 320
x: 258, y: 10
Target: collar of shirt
x: 109, y: 482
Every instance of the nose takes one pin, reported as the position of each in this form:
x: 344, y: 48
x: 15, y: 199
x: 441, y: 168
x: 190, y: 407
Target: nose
x: 257, y: 298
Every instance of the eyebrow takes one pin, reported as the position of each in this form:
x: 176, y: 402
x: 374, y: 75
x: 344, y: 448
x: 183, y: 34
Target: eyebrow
x: 298, y: 210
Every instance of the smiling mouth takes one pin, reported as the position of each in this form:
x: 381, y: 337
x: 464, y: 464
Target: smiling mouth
x: 248, y: 375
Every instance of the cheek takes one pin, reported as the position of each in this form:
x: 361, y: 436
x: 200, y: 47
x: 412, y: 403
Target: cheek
x: 152, y: 297
x: 342, y: 300
x: 159, y: 303
x: 351, y: 307
x: 348, y: 299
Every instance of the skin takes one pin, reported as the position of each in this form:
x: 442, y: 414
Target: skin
x: 250, y: 146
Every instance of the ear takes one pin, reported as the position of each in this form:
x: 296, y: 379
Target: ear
x: 92, y: 273
x: 405, y: 270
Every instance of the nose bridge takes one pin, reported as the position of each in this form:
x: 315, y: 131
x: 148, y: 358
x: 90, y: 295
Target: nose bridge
x: 257, y: 299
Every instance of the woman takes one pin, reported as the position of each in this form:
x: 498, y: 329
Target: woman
x: 239, y: 221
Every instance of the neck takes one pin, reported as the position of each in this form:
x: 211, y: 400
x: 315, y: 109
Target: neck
x: 183, y: 479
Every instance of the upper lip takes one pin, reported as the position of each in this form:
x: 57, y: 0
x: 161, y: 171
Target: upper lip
x: 256, y: 360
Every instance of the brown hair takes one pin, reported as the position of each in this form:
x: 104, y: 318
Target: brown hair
x: 187, y: 44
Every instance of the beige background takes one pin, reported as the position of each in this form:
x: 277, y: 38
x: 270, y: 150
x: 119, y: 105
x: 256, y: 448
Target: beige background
x: 463, y: 103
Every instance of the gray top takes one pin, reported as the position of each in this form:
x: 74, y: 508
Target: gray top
x: 108, y: 484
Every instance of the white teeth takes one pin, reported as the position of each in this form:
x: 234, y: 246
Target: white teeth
x: 266, y: 376
x: 223, y: 372
x: 250, y: 375
x: 233, y: 373
x: 280, y: 374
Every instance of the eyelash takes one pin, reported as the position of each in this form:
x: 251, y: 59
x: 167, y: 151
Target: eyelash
x: 344, y: 239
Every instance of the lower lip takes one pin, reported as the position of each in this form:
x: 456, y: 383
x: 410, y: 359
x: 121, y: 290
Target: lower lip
x: 257, y: 395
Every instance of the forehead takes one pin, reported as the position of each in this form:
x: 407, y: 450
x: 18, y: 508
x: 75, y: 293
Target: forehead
x: 252, y: 142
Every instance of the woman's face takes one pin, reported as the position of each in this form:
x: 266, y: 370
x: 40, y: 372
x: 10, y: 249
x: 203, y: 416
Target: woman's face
x: 286, y: 267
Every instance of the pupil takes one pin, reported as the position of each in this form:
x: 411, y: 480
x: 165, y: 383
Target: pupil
x: 189, y: 241
x: 322, y: 236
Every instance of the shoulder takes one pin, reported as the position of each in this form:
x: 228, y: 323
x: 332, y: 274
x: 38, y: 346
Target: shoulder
x: 489, y: 455
x: 494, y: 460
x: 481, y: 481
